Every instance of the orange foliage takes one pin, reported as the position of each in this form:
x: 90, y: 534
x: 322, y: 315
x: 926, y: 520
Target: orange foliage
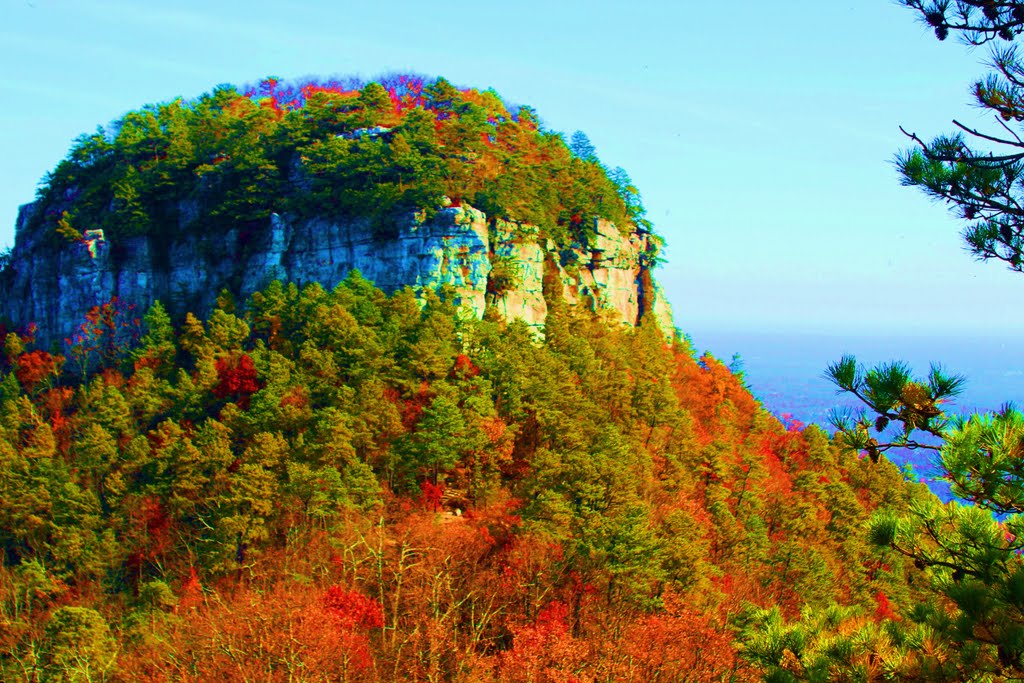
x: 113, y: 378
x: 191, y: 590
x: 676, y: 644
x: 883, y: 609
x: 703, y: 386
x: 464, y: 367
x: 275, y: 634
x: 295, y: 397
x: 236, y: 379
x: 545, y: 650
x: 34, y: 367
x: 55, y: 402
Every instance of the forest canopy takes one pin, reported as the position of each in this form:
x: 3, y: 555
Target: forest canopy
x: 337, y: 148
x: 413, y: 495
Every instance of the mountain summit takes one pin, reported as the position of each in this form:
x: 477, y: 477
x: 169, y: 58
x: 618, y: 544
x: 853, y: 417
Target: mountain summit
x: 410, y: 182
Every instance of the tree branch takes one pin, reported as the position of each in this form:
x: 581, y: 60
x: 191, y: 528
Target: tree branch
x: 991, y: 138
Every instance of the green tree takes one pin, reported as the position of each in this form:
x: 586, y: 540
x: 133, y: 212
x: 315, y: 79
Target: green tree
x: 980, y: 173
x: 79, y: 646
x: 972, y: 611
x: 440, y: 439
x: 246, y: 504
x: 157, y: 344
x: 581, y: 146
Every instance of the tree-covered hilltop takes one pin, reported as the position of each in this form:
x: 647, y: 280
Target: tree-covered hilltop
x: 330, y: 149
x: 342, y: 485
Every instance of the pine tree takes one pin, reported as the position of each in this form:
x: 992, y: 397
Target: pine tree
x: 968, y: 550
x: 581, y: 146
x: 980, y: 173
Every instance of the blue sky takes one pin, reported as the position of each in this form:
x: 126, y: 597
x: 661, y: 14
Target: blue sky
x: 760, y: 134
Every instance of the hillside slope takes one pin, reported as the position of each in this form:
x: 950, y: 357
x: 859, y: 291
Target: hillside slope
x: 327, y: 481
x: 413, y: 496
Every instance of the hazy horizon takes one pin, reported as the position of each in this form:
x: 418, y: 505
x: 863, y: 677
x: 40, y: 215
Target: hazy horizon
x: 786, y: 370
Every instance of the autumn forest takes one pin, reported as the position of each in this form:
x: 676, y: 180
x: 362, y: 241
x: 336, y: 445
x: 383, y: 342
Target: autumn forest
x: 334, y: 483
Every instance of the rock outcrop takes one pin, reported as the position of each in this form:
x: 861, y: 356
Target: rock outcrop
x: 52, y: 283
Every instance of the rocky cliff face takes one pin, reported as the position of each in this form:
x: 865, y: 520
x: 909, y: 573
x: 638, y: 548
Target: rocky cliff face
x: 53, y: 286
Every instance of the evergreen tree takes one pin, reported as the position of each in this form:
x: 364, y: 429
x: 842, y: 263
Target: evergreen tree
x: 980, y: 173
x: 969, y: 554
x: 581, y: 146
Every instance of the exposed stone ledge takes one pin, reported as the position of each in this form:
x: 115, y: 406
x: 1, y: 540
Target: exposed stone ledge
x: 54, y: 287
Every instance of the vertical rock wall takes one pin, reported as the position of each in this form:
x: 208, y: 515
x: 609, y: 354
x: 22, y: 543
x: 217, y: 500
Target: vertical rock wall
x: 53, y: 283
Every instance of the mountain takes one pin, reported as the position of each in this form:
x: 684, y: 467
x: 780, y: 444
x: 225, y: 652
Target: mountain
x: 306, y: 477
x: 181, y: 201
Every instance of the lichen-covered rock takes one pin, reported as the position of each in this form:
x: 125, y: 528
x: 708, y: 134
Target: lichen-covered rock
x: 53, y: 284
